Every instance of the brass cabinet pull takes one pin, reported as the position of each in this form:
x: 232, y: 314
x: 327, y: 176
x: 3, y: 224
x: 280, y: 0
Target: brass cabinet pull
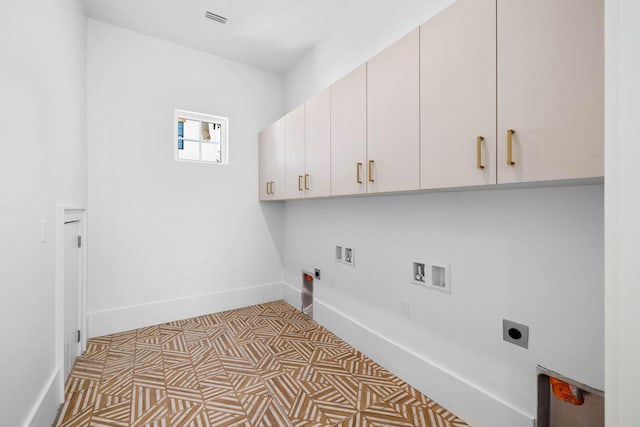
x: 358, y: 170
x: 479, y: 149
x: 371, y: 171
x: 510, y: 133
x: 306, y: 181
x: 299, y: 182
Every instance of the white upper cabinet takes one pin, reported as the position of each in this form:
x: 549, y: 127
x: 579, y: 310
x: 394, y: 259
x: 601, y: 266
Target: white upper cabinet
x: 393, y: 119
x: 317, y: 146
x: 458, y: 96
x: 349, y: 133
x: 486, y: 92
x: 294, y: 157
x: 272, y: 157
x: 550, y: 89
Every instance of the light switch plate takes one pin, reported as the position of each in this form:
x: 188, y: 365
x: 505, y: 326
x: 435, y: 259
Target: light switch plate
x: 404, y: 308
x: 43, y: 231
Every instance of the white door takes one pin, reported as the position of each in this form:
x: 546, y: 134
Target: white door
x: 317, y: 145
x: 272, y: 158
x: 393, y: 117
x: 458, y: 96
x: 349, y: 133
x: 72, y: 280
x: 263, y: 172
x: 294, y: 153
x: 550, y: 89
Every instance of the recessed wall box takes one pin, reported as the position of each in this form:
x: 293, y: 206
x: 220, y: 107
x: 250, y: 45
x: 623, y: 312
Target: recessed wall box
x: 419, y: 274
x: 349, y: 255
x: 307, y: 294
x: 404, y: 308
x: 440, y: 278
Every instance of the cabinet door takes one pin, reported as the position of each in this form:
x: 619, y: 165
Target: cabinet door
x: 317, y: 145
x: 458, y: 96
x: 277, y: 162
x: 264, y: 164
x: 349, y: 133
x: 271, y: 154
x: 393, y: 118
x: 294, y: 153
x: 550, y: 89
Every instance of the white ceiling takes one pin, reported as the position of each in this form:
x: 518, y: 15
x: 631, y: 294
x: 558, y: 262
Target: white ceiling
x: 271, y: 34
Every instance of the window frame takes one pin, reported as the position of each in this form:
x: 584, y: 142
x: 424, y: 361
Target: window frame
x: 201, y: 117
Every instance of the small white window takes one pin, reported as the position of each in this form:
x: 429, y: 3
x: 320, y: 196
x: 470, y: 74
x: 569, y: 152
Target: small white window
x: 200, y: 137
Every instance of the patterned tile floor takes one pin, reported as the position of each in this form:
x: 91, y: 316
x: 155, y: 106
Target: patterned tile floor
x: 264, y: 365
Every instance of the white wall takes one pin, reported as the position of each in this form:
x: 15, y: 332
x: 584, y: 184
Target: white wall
x: 42, y: 117
x: 622, y: 213
x: 163, y: 231
x: 534, y: 256
x: 354, y: 42
x: 531, y: 255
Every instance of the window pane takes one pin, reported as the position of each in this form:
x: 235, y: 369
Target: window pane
x: 211, y: 152
x: 206, y: 131
x: 191, y: 130
x: 180, y: 144
x: 190, y: 151
x: 211, y: 131
x: 215, y: 134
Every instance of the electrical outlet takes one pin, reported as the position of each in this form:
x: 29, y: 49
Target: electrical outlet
x: 338, y: 253
x: 404, y: 308
x: 515, y: 333
x: 316, y: 273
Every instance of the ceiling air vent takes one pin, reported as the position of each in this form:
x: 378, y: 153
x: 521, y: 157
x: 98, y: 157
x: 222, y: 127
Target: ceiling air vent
x: 218, y: 18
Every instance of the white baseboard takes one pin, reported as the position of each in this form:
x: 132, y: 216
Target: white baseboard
x: 292, y: 295
x: 138, y: 316
x: 45, y: 408
x: 467, y: 400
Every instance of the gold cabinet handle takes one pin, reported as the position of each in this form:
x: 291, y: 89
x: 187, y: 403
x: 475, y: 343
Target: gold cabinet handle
x: 371, y: 171
x: 299, y: 182
x: 479, y: 151
x: 306, y: 181
x: 358, y: 170
x: 510, y: 133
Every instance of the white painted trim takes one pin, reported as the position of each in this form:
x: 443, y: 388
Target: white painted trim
x: 292, y: 295
x: 67, y: 212
x: 470, y: 401
x: 45, y: 406
x: 138, y: 316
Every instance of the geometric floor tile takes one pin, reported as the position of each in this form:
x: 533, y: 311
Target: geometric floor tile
x: 266, y: 365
